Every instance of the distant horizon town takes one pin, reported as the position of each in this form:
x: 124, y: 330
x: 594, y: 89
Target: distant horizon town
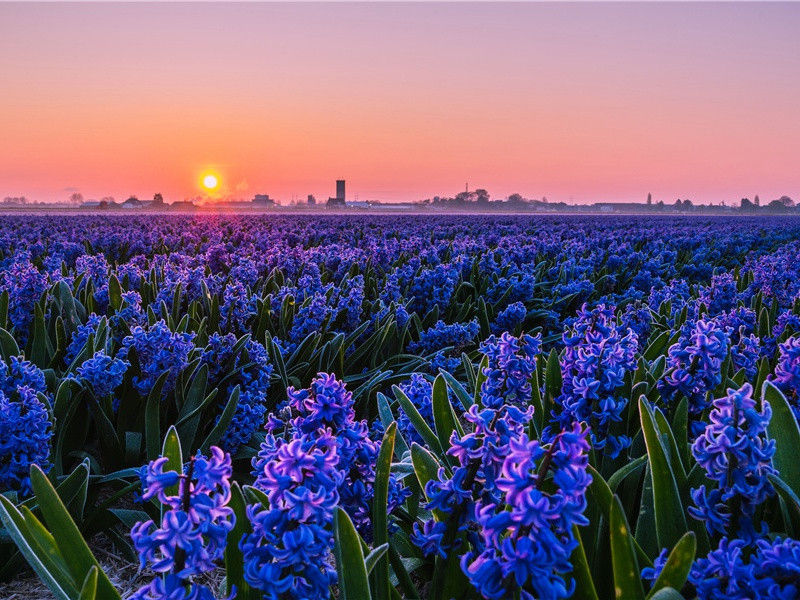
x: 478, y: 200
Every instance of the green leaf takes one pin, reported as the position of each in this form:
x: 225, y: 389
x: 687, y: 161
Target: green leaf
x: 783, y: 428
x: 152, y: 417
x: 417, y: 420
x: 669, y: 514
x: 383, y: 468
x: 114, y: 292
x: 353, y: 577
x: 584, y: 585
x: 667, y: 594
x: 458, y: 389
x: 624, y: 471
x: 44, y: 558
x: 234, y: 561
x: 425, y: 464
x: 627, y: 582
x: 172, y: 450
x: 552, y: 379
x: 678, y: 564
x: 89, y: 587
x: 374, y: 556
x: 443, y: 416
x: 790, y: 501
x: 8, y: 345
x: 71, y: 544
x: 224, y: 420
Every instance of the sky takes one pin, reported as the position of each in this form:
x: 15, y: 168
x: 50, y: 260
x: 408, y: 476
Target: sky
x: 580, y: 102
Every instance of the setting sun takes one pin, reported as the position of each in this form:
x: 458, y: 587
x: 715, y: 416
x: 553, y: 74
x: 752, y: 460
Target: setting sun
x: 210, y: 182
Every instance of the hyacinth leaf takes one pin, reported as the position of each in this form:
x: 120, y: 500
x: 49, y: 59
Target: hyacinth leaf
x: 39, y: 549
x: 234, y: 561
x: 623, y: 472
x: 380, y: 524
x: 426, y: 468
x: 680, y: 429
x: 443, y: 415
x: 764, y: 370
x: 89, y: 588
x: 668, y: 438
x: 604, y: 497
x: 73, y: 548
x: 224, y: 420
x: 679, y: 562
x: 669, y: 513
x: 371, y: 561
x: 114, y: 292
x: 152, y: 417
x: 584, y: 585
x: 37, y: 345
x: 353, y: 577
x: 790, y: 504
x: 783, y: 428
x: 8, y: 346
x: 417, y: 420
x: 4, y: 309
x: 627, y: 583
x: 480, y: 377
x: 552, y: 379
x: 667, y: 594
x: 458, y: 389
x: 171, y: 449
x: 656, y: 347
x: 256, y: 496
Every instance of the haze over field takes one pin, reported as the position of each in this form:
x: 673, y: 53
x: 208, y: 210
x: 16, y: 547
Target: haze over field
x: 576, y: 102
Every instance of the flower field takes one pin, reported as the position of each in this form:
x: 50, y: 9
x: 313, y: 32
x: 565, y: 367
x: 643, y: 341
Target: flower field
x: 386, y: 407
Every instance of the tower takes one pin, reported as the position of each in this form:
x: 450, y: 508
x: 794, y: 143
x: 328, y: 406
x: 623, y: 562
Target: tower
x: 340, y: 195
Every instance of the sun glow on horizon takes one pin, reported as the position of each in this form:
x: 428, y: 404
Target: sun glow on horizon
x: 210, y: 182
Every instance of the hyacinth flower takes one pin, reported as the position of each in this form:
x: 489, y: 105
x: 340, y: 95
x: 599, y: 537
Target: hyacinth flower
x: 19, y: 373
x: 442, y: 335
x: 251, y: 370
x: 526, y: 539
x: 103, y: 374
x: 737, y: 456
x: 510, y: 318
x: 157, y: 349
x: 25, y: 286
x: 511, y: 364
x: 80, y: 337
x: 745, y: 354
x: 695, y: 369
x: 480, y: 455
x: 787, y: 373
x: 287, y: 555
x: 326, y: 405
x: 195, y: 522
x: 25, y: 435
x: 597, y: 356
x: 732, y: 570
x: 420, y: 392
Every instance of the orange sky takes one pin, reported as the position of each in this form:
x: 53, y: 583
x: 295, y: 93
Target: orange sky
x: 581, y: 102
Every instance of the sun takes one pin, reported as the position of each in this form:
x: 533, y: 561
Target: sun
x: 210, y: 182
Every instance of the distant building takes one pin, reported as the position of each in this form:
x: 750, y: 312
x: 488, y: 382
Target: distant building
x: 183, y: 205
x: 359, y: 204
x: 340, y: 195
x: 339, y: 200
x: 263, y: 200
x: 311, y: 200
x: 335, y: 203
x: 133, y: 203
